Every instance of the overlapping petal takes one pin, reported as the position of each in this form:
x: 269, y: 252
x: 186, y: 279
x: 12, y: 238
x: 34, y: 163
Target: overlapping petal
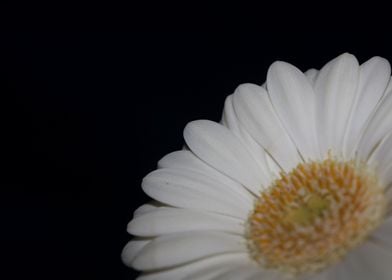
x: 256, y: 150
x: 374, y: 76
x: 193, y: 190
x: 290, y: 90
x: 335, y: 87
x: 187, y: 160
x: 378, y: 127
x: 219, y: 147
x: 182, y: 272
x: 180, y: 248
x: 167, y: 220
x: 257, y: 115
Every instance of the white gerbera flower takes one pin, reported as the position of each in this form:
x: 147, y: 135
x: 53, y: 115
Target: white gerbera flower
x: 294, y: 182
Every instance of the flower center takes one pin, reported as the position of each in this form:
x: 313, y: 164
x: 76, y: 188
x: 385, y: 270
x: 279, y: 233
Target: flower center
x: 311, y: 217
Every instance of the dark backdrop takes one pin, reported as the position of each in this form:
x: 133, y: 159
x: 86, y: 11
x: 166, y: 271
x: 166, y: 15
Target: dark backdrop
x: 85, y: 116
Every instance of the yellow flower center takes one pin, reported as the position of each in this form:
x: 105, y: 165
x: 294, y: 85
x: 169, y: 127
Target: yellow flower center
x: 311, y: 217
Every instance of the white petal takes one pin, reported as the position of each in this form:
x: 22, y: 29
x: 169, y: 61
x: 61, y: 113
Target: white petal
x: 378, y: 127
x: 381, y: 160
x: 214, y: 273
x: 132, y: 249
x: 219, y: 147
x: 370, y: 261
x: 190, y: 189
x: 188, y: 160
x: 342, y: 270
x: 207, y: 274
x: 146, y: 208
x: 323, y: 275
x: 311, y: 75
x: 374, y: 76
x: 293, y: 98
x: 383, y: 234
x: 249, y: 143
x: 275, y: 169
x: 230, y: 117
x: 182, y: 272
x: 335, y: 90
x: 172, y: 220
x: 175, y: 249
x: 256, y: 114
x: 389, y: 86
x: 248, y: 272
x: 260, y: 156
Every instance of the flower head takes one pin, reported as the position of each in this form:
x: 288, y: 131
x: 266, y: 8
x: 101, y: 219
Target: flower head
x: 294, y: 182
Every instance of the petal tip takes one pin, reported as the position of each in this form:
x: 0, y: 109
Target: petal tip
x: 380, y: 61
x: 278, y: 65
x: 347, y: 57
x: 246, y: 87
x: 127, y: 255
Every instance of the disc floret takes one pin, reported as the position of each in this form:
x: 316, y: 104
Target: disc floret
x: 312, y: 216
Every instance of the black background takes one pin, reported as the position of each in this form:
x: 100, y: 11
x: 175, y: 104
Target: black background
x: 85, y: 116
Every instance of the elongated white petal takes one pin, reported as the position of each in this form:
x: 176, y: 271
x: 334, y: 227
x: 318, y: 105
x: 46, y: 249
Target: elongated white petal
x: 230, y: 117
x: 322, y: 275
x: 247, y: 272
x: 311, y: 75
x: 207, y: 274
x: 188, y: 160
x: 219, y: 147
x: 370, y: 261
x: 381, y: 160
x: 273, y: 166
x: 374, y: 76
x: 132, y: 249
x: 235, y: 269
x: 146, y: 208
x: 185, y: 159
x: 180, y: 248
x: 378, y: 127
x: 183, y: 271
x: 212, y: 274
x: 192, y: 190
x: 168, y: 220
x: 255, y: 149
x: 342, y: 270
x: 256, y: 114
x: 335, y: 88
x: 293, y: 98
x: 383, y: 234
x: 389, y: 86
